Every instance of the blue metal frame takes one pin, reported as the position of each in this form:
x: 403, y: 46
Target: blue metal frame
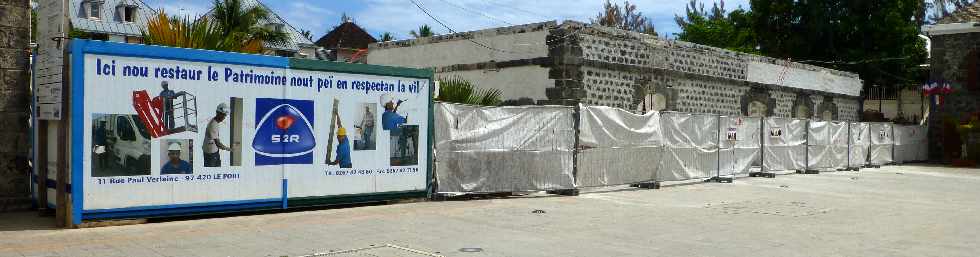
x: 79, y: 48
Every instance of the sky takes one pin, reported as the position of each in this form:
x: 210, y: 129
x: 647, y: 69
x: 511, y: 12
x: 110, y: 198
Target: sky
x: 401, y: 16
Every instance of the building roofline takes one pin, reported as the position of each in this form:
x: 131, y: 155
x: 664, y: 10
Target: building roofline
x: 951, y: 28
x: 509, y: 30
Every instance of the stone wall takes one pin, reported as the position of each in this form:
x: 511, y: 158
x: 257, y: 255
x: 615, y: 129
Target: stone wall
x: 14, y: 103
x: 603, y: 66
x: 949, y: 62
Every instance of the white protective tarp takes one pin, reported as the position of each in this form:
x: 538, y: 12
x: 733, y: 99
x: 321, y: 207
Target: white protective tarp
x: 503, y: 149
x: 911, y: 143
x: 859, y: 144
x: 785, y: 144
x: 922, y: 138
x: 740, y: 144
x: 617, y: 147
x: 691, y: 146
x: 882, y: 143
x: 826, y: 145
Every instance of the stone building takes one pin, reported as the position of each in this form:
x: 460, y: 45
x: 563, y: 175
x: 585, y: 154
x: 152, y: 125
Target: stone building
x: 955, y: 57
x: 15, y: 36
x: 576, y: 62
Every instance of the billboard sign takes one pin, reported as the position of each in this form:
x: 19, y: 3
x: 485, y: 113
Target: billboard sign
x: 160, y: 130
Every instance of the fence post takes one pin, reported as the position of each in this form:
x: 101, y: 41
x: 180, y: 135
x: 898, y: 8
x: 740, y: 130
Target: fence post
x: 576, y: 122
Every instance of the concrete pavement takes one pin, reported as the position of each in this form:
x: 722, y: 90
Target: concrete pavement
x: 892, y: 211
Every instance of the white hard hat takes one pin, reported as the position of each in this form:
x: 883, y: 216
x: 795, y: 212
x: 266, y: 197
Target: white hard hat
x: 223, y: 108
x: 174, y: 147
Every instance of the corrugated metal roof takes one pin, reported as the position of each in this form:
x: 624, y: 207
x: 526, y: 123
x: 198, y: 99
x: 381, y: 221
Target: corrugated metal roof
x: 109, y: 21
x: 969, y: 13
x: 296, y: 39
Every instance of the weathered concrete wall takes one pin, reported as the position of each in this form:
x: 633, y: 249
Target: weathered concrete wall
x: 14, y: 102
x: 950, y: 62
x: 514, y: 82
x: 511, y: 59
x: 603, y: 66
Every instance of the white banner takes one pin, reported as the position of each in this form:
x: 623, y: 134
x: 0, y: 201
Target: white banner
x: 166, y: 132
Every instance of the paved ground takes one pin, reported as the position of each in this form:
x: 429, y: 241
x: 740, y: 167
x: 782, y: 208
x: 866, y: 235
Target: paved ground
x: 893, y: 211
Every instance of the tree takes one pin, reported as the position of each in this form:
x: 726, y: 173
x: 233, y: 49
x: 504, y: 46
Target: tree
x: 423, y: 31
x: 243, y: 24
x: 718, y: 28
x: 876, y: 39
x: 626, y: 17
x: 306, y: 34
x: 385, y: 37
x: 202, y: 33
x: 458, y: 90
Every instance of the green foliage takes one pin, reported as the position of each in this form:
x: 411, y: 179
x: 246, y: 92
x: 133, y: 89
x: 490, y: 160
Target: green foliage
x: 199, y: 34
x: 718, y: 28
x: 423, y: 31
x: 307, y: 34
x: 234, y: 20
x: 385, y: 37
x: 458, y: 90
x: 624, y: 17
x: 876, y: 39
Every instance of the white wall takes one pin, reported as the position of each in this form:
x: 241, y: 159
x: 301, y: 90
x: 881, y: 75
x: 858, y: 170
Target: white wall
x: 462, y: 51
x: 515, y: 82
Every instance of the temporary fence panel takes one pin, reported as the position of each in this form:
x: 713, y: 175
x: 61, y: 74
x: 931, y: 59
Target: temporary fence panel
x: 818, y: 145
x: 131, y: 158
x: 784, y: 144
x: 859, y: 143
x: 617, y: 147
x: 904, y: 149
x: 911, y: 143
x: 921, y: 138
x: 839, y: 144
x: 503, y: 149
x: 882, y: 143
x: 826, y: 145
x: 691, y: 146
x: 740, y: 144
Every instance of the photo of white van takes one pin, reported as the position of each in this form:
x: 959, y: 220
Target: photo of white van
x: 120, y: 146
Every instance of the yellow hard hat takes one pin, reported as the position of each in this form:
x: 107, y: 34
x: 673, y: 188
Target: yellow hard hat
x: 342, y: 132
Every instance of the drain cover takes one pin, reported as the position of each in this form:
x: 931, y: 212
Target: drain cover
x: 470, y: 250
x: 388, y: 250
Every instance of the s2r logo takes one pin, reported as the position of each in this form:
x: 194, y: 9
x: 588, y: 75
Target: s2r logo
x: 284, y: 132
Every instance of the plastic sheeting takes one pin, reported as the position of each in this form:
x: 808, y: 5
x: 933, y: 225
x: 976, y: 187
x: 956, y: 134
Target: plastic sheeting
x: 503, y: 149
x: 691, y: 146
x: 826, y: 145
x: 860, y: 142
x: 740, y: 145
x: 882, y: 143
x: 785, y: 144
x: 617, y: 147
x: 911, y: 143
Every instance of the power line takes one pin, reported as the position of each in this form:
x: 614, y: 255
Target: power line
x: 477, y: 12
x: 451, y: 30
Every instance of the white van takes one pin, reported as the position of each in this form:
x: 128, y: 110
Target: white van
x: 127, y: 141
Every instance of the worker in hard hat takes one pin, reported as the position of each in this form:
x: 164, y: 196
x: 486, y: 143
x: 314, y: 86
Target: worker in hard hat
x: 167, y: 96
x: 175, y: 165
x: 343, y: 150
x: 392, y: 122
x: 212, y: 141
